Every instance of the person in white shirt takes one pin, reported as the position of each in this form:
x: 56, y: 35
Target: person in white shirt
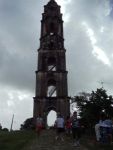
x: 97, y: 132
x: 59, y: 123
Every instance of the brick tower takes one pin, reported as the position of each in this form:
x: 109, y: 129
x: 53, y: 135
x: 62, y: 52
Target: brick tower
x: 51, y: 75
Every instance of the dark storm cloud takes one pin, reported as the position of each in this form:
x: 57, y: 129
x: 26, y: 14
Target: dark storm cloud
x: 19, y: 40
x: 111, y: 13
x: 19, y: 28
x: 85, y: 70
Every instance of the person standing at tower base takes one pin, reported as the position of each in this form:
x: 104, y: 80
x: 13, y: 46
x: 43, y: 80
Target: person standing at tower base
x: 59, y: 123
x: 39, y: 124
x: 76, y: 129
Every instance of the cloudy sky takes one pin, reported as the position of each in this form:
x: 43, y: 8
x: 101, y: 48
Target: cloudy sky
x: 88, y: 30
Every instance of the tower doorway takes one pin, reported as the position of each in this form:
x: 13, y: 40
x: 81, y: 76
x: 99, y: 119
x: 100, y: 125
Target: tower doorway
x: 51, y: 117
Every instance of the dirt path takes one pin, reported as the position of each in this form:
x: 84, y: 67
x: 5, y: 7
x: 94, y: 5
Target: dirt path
x: 47, y: 142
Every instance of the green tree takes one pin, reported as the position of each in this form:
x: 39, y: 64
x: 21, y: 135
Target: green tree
x: 92, y: 105
x: 0, y: 126
x: 28, y: 124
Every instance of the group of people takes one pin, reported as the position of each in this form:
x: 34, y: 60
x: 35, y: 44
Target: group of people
x: 104, y: 129
x: 70, y: 125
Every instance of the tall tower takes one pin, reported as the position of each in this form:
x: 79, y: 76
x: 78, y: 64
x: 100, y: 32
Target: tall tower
x: 51, y: 75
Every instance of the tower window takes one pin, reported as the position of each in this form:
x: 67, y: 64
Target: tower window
x: 51, y: 64
x: 51, y: 68
x: 51, y: 88
x: 51, y: 91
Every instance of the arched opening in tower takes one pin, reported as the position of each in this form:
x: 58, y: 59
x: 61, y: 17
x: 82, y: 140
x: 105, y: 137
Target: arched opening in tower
x: 51, y: 118
x: 51, y: 91
x: 51, y: 88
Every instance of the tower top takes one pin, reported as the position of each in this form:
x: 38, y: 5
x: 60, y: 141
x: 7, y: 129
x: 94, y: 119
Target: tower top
x: 52, y: 2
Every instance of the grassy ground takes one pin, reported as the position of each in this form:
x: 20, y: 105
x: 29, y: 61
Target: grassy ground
x: 28, y: 140
x: 91, y: 144
x: 15, y: 140
x: 47, y: 141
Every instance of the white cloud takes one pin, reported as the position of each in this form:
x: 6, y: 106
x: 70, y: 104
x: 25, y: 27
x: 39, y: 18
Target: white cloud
x: 100, y: 54
x: 19, y: 103
x: 102, y: 29
x: 63, y: 9
x: 90, y: 33
x: 10, y: 103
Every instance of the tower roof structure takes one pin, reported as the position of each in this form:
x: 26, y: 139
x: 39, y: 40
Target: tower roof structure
x: 52, y: 3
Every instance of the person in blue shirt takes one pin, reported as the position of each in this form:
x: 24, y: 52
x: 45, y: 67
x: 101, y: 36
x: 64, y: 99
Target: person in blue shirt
x: 109, y: 124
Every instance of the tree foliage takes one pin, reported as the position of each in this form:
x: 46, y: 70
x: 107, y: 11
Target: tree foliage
x: 92, y: 105
x: 28, y: 124
x: 0, y: 126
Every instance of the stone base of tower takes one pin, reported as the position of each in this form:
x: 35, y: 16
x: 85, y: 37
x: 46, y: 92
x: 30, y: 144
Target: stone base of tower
x: 43, y: 106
